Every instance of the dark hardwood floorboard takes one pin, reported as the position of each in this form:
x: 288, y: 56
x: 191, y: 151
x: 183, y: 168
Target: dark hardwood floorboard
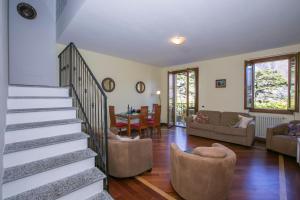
x: 256, y: 175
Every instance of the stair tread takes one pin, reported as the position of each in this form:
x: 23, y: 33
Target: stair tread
x: 14, y: 127
x: 39, y: 97
x: 39, y: 110
x: 31, y: 144
x: 104, y: 195
x: 62, y: 187
x: 32, y: 168
x: 38, y: 86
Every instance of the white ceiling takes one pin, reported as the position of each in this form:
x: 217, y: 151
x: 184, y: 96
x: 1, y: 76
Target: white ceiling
x: 140, y: 29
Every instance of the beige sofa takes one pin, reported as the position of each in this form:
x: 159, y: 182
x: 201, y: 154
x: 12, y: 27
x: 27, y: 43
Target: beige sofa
x: 220, y: 128
x: 196, y: 177
x: 129, y: 158
x: 278, y: 140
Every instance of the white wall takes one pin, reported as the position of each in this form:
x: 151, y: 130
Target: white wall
x: 126, y: 74
x: 3, y: 78
x: 32, y: 45
x: 230, y: 68
x: 69, y: 9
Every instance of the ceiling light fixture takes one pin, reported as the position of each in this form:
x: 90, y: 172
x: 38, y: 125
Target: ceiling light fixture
x: 178, y: 40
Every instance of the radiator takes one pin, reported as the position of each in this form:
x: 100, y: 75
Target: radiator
x: 262, y: 122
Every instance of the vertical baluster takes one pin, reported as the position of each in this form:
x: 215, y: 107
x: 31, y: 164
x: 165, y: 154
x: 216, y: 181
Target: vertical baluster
x: 89, y: 99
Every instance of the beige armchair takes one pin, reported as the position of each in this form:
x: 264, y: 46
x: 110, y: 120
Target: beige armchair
x: 197, y: 177
x: 280, y: 141
x: 129, y: 158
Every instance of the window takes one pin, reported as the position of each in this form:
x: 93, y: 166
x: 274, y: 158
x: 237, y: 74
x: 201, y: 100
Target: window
x: 271, y: 84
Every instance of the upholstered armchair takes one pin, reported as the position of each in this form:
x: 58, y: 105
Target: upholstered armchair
x: 129, y: 158
x: 205, y: 177
x: 280, y: 141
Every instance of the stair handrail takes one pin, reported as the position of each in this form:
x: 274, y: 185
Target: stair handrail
x: 72, y: 71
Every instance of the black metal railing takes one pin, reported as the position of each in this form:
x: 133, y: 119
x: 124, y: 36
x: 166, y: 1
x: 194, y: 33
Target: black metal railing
x: 90, y: 99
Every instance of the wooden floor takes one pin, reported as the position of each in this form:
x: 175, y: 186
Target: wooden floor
x: 259, y: 173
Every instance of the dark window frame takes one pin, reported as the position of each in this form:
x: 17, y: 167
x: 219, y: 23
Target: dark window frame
x: 269, y: 59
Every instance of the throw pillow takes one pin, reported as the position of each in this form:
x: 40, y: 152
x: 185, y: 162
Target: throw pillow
x: 194, y: 117
x: 201, y: 118
x: 210, y: 152
x: 244, y: 121
x: 127, y: 138
x: 237, y: 124
x: 294, y: 129
x: 111, y: 135
x: 234, y: 122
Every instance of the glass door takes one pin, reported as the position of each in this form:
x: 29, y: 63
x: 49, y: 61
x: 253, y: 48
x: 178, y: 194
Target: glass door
x: 182, y: 96
x: 171, y: 99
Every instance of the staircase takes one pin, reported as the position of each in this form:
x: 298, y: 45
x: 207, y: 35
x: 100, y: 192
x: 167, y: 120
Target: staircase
x: 46, y: 154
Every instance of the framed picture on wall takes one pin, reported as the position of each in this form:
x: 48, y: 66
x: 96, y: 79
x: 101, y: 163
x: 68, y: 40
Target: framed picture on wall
x: 221, y: 83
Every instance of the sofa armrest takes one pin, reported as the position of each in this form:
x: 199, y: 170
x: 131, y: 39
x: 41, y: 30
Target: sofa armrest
x: 250, y: 133
x: 280, y: 129
x: 189, y: 120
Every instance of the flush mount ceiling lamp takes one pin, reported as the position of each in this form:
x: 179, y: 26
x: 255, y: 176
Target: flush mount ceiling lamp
x: 26, y: 10
x: 178, y: 40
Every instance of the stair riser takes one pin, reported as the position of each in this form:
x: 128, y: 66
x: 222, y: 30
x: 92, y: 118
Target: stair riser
x: 29, y: 117
x: 85, y: 192
x: 28, y: 183
x: 38, y: 103
x: 43, y: 132
x: 35, y: 154
x: 37, y: 92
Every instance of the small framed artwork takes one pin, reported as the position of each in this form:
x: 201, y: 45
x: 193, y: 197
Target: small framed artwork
x: 221, y: 83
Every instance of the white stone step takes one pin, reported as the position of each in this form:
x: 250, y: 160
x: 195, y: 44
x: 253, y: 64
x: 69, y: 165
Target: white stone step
x: 37, y: 130
x: 29, y: 151
x: 38, y: 102
x: 39, y: 91
x: 77, y: 187
x: 28, y: 176
x: 17, y: 116
x: 104, y: 195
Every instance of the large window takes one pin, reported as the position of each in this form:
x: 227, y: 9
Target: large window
x: 271, y: 84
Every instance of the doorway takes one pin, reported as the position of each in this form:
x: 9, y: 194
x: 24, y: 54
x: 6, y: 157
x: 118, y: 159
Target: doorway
x: 182, y: 96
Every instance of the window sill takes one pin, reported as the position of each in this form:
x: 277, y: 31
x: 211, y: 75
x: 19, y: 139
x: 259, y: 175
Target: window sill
x: 287, y: 112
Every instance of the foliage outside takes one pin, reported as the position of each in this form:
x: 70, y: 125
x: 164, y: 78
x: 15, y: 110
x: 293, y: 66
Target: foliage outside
x: 271, y: 86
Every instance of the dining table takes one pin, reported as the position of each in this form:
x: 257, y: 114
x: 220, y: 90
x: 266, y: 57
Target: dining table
x: 130, y: 117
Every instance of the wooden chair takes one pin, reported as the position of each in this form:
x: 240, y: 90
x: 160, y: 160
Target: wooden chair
x: 154, y: 106
x: 142, y: 124
x: 144, y: 111
x: 153, y: 110
x: 155, y: 122
x: 113, y: 120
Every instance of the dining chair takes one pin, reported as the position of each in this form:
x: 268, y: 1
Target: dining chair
x: 142, y: 124
x: 154, y: 106
x: 113, y: 120
x: 144, y: 110
x: 153, y: 110
x: 155, y: 122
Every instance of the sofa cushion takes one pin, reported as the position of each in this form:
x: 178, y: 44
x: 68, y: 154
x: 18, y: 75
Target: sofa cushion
x: 231, y: 131
x: 124, y: 138
x: 231, y: 118
x: 210, y: 152
x: 197, y: 125
x: 214, y: 117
